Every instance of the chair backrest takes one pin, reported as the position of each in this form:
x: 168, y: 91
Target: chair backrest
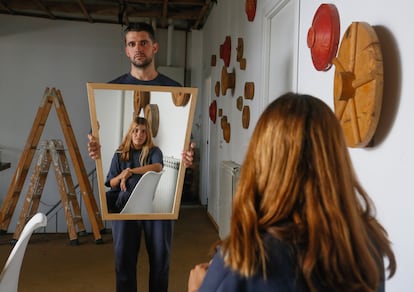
x: 165, y: 193
x: 141, y: 197
x: 9, y: 277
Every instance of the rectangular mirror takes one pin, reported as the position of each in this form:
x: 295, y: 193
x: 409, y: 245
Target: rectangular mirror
x: 170, y: 113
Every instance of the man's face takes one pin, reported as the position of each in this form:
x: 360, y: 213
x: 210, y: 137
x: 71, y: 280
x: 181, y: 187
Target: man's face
x: 140, y: 49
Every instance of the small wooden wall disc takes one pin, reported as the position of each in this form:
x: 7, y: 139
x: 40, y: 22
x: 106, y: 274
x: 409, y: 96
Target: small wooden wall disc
x: 246, y: 117
x: 249, y: 90
x: 151, y: 113
x: 239, y: 103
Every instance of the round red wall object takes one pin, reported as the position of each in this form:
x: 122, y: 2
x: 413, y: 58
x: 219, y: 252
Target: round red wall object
x: 213, y: 111
x: 250, y: 9
x: 323, y: 36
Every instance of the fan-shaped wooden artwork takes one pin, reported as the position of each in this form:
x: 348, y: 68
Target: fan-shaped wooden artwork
x: 225, y: 51
x: 358, y: 84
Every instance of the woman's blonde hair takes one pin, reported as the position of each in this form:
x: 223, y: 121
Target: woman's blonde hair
x: 297, y: 171
x: 127, y: 145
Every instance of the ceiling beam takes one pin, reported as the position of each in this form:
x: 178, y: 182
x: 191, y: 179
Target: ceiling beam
x: 85, y: 11
x: 3, y: 4
x: 202, y: 14
x: 45, y: 9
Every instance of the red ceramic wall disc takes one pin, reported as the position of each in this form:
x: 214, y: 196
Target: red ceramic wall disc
x: 323, y: 36
x: 250, y: 9
x: 225, y: 51
x: 213, y: 111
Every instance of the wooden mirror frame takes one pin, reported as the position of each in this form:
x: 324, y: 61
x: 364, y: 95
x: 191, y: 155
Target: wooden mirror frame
x: 96, y: 92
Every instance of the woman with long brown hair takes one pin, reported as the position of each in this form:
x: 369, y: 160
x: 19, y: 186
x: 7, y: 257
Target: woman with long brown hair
x: 301, y: 220
x: 136, y: 155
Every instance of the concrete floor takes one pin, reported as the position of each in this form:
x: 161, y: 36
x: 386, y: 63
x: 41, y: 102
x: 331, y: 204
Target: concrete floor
x: 52, y: 264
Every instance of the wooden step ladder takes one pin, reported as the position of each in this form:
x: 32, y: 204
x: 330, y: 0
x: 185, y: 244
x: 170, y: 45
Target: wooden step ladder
x: 52, y: 152
x: 51, y: 97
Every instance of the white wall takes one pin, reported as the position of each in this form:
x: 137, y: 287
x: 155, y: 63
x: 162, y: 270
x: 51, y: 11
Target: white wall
x: 384, y: 169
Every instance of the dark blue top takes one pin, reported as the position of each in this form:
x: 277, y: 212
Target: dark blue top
x: 160, y: 80
x: 282, y: 273
x: 118, y: 165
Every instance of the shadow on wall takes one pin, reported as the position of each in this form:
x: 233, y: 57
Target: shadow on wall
x: 392, y: 84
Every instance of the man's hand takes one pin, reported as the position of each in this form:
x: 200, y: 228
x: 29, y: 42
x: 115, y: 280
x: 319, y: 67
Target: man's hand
x: 94, y: 148
x: 188, y: 155
x: 197, y: 275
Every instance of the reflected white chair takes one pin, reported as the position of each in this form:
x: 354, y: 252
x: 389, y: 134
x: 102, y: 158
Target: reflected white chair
x: 165, y: 193
x: 141, y: 197
x: 9, y: 277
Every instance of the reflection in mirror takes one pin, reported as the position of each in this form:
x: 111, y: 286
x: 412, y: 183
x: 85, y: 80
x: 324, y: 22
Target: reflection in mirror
x: 170, y: 113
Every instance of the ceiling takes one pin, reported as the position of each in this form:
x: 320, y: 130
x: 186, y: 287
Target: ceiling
x: 183, y: 14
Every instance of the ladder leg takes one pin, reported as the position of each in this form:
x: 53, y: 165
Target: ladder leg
x: 66, y: 190
x: 24, y: 163
x: 84, y: 184
x: 37, y: 182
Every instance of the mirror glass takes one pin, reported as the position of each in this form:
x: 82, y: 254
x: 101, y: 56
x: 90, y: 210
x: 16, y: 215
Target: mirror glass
x: 170, y: 113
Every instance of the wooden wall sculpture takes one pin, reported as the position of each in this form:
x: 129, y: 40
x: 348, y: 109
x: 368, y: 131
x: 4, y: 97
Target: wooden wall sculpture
x: 358, y: 79
x: 225, y: 126
x: 249, y: 90
x: 228, y: 81
x: 358, y: 84
x: 239, y: 58
x: 213, y: 60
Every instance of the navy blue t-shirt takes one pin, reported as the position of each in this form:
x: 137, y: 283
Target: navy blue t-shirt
x: 282, y: 273
x: 160, y: 80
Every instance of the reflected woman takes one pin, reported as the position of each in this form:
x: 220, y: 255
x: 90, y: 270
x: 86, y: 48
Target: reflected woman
x: 136, y: 155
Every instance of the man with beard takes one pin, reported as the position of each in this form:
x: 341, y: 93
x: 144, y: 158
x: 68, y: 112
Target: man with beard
x: 141, y: 47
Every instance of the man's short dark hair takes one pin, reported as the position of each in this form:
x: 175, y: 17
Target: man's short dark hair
x: 141, y: 26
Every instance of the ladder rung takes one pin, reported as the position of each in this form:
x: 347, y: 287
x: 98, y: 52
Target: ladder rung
x: 77, y: 219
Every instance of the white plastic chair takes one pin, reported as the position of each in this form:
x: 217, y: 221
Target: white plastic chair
x: 165, y: 193
x: 9, y: 277
x: 141, y: 197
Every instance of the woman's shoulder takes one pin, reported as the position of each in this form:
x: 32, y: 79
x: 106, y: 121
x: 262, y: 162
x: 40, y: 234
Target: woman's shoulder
x: 155, y: 149
x: 280, y: 266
